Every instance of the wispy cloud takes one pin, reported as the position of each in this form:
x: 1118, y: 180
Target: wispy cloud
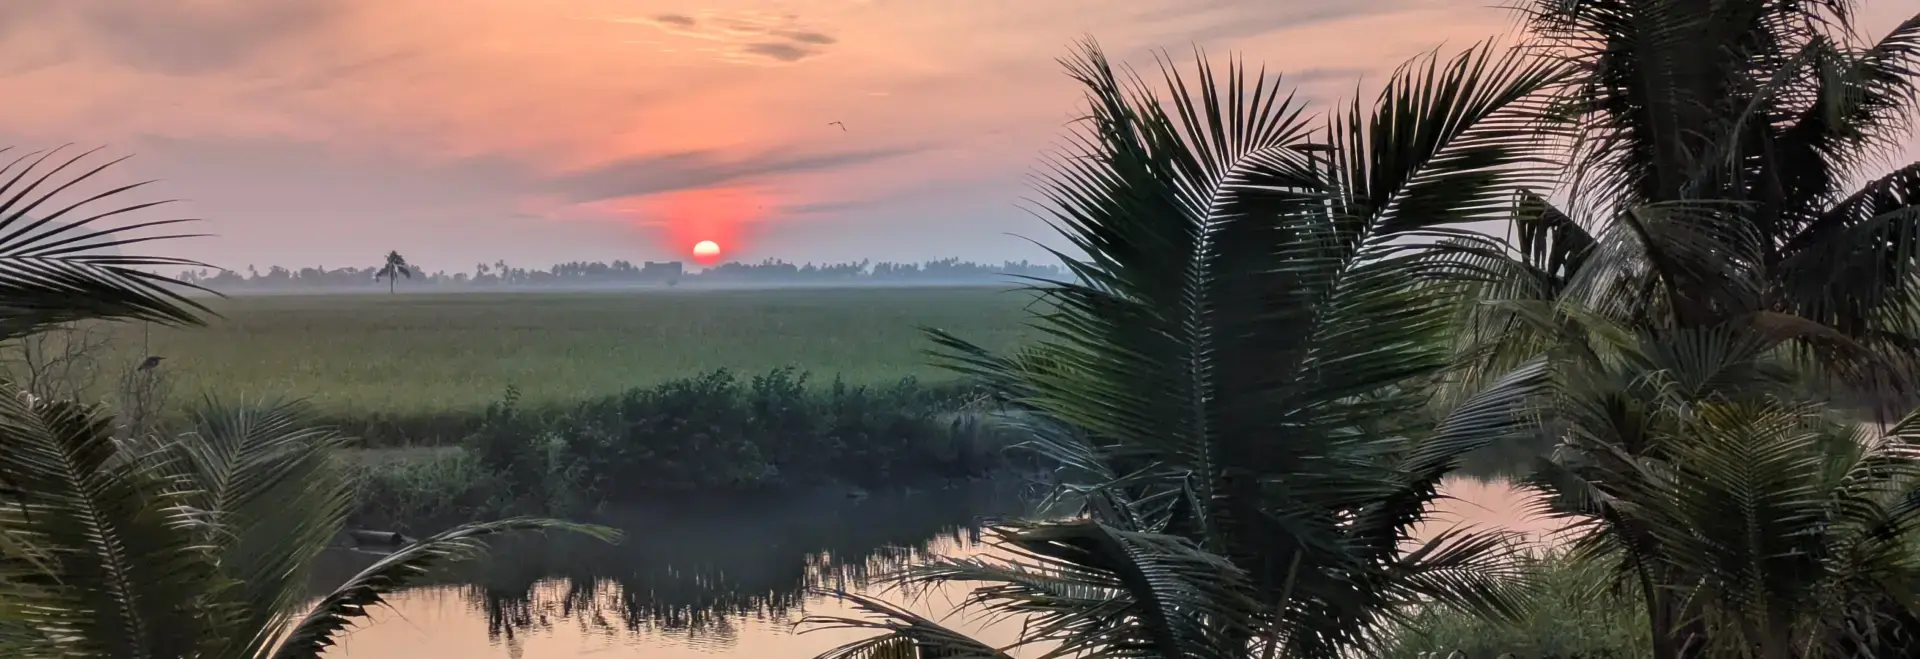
x: 655, y: 174
x: 803, y: 36
x: 676, y: 20
x: 179, y: 39
x: 751, y: 36
x: 784, y: 52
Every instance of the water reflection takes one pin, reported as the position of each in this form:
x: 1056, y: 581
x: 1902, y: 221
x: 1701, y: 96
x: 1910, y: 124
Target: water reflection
x: 708, y: 580
x: 694, y: 577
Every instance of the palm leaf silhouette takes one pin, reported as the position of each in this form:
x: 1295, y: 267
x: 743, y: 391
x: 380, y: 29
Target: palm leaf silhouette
x: 59, y: 259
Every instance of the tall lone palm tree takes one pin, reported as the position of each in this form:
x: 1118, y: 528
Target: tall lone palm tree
x: 1233, y: 376
x: 395, y: 268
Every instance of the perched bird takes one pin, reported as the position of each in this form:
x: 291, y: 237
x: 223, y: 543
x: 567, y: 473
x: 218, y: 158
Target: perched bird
x: 149, y: 363
x: 843, y: 127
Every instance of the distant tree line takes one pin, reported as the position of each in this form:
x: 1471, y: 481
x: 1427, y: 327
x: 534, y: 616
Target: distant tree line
x: 589, y: 273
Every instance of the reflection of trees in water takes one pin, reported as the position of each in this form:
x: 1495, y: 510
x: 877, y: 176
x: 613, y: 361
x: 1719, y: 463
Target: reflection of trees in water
x: 697, y: 574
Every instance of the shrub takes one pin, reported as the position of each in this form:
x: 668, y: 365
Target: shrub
x: 1575, y: 612
x: 710, y: 433
x: 401, y: 491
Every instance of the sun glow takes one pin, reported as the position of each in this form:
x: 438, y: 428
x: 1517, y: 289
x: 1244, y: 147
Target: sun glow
x: 706, y: 251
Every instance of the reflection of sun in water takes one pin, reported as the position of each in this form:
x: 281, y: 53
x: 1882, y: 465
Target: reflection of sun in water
x: 706, y: 250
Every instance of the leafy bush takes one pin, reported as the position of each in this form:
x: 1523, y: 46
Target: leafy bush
x: 716, y: 431
x: 1574, y: 612
x: 401, y: 491
x: 710, y: 433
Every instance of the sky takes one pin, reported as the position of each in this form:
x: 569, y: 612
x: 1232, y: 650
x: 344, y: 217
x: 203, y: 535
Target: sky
x: 327, y: 132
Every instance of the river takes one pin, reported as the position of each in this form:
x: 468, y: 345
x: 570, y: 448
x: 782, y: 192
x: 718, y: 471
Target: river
x: 722, y: 582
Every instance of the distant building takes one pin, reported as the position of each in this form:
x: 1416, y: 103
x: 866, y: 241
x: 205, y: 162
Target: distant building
x: 662, y: 271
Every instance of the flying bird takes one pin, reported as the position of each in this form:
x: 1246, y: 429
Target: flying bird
x: 843, y: 127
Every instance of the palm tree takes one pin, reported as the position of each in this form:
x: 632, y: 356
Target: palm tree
x: 1717, y: 178
x: 1710, y: 256
x: 395, y: 268
x: 1750, y: 522
x: 195, y: 546
x: 1231, y: 375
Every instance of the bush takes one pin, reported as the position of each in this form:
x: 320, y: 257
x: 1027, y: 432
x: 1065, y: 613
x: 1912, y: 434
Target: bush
x: 709, y: 433
x: 1574, y: 613
x: 424, y: 486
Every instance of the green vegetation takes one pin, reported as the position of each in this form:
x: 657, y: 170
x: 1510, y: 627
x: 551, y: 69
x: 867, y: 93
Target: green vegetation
x: 421, y: 369
x: 1241, y: 388
x: 198, y: 545
x: 117, y: 540
x: 1575, y: 610
x: 708, y: 435
x: 1237, y: 387
x: 1282, y: 338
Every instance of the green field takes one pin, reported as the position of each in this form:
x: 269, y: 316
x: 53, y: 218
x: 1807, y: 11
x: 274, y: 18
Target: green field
x: 406, y: 355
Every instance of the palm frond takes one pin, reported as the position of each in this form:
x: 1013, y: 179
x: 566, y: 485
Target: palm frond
x: 117, y: 535
x: 1477, y: 572
x: 1238, y: 358
x: 61, y: 263
x: 1082, y: 588
x: 1685, y: 461
x: 276, y: 495
x: 1862, y: 103
x: 908, y: 635
x: 311, y: 635
x: 1639, y: 67
x: 1853, y: 264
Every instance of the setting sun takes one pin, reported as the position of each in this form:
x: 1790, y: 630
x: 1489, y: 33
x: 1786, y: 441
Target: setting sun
x: 706, y: 251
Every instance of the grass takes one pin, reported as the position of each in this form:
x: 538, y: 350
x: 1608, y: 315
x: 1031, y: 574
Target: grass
x: 379, y: 356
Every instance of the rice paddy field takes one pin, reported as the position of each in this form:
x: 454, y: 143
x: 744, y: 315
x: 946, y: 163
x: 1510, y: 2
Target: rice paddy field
x: 438, y: 354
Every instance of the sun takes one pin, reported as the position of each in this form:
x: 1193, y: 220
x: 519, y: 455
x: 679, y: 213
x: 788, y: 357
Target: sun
x: 706, y: 250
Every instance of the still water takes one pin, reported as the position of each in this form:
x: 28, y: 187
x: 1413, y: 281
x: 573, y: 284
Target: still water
x: 723, y: 582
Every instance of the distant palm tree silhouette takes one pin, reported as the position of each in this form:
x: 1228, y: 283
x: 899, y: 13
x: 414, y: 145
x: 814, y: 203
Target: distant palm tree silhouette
x: 396, y: 267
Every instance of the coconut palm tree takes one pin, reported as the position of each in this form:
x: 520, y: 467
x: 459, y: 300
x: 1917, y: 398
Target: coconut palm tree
x: 1723, y: 170
x: 396, y: 267
x: 193, y: 546
x: 1229, y: 377
x: 1713, y: 253
x: 1752, y: 523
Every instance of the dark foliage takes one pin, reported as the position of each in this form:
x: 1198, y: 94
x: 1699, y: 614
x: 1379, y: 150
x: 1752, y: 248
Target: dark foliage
x: 711, y: 434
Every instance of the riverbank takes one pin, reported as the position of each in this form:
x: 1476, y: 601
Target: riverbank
x: 715, y: 435
x: 422, y: 490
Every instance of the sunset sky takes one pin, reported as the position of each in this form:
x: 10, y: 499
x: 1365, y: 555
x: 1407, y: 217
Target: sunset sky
x: 326, y: 132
